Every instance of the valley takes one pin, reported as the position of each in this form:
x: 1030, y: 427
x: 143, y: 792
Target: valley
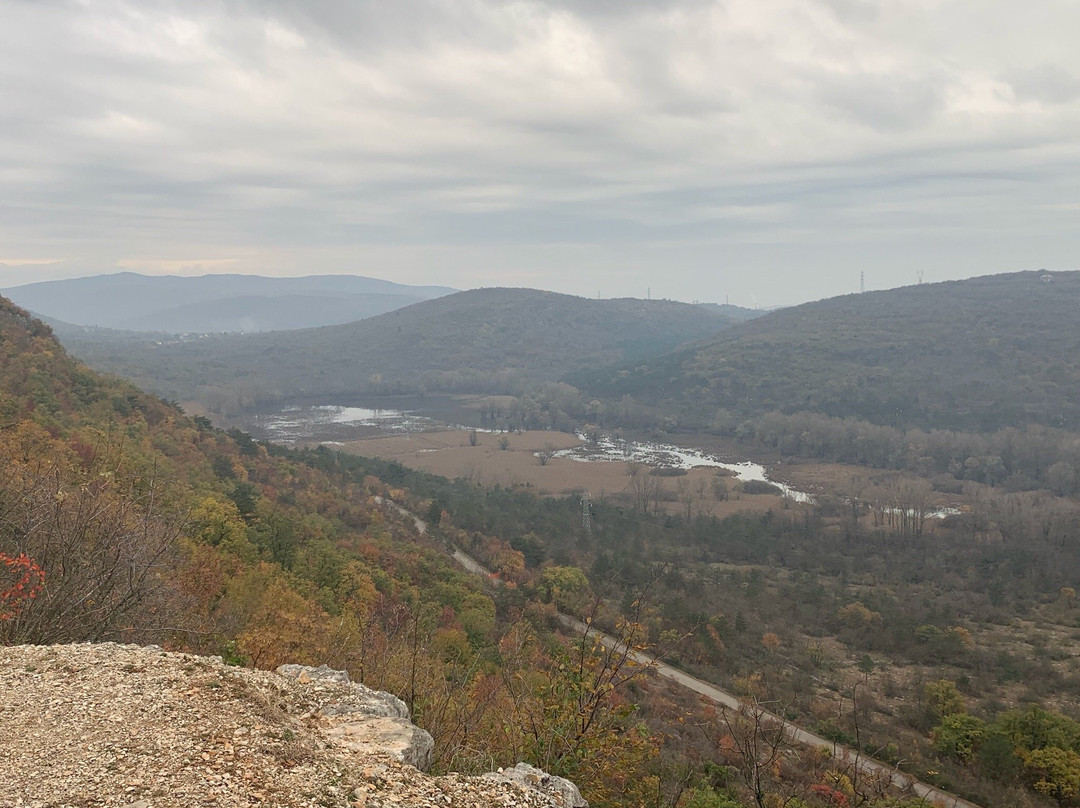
x: 885, y: 589
x: 669, y: 404
x: 433, y: 434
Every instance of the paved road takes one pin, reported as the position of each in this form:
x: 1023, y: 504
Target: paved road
x: 866, y: 765
x: 418, y: 523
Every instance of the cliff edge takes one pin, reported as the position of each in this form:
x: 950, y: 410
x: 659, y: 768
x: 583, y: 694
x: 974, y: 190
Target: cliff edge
x: 137, y: 727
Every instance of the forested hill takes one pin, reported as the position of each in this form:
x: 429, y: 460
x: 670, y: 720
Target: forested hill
x: 481, y: 340
x: 122, y: 519
x: 978, y: 354
x: 210, y: 303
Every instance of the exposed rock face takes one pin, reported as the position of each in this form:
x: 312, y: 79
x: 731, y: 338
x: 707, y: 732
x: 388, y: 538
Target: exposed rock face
x: 117, y: 726
x: 559, y: 790
x: 362, y: 699
x: 366, y: 720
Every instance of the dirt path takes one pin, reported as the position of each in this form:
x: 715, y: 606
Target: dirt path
x: 862, y: 762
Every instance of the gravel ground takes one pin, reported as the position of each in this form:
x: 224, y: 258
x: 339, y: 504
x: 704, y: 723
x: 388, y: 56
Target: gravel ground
x: 119, y: 725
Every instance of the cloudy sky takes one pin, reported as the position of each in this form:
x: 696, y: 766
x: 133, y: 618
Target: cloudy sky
x: 764, y: 151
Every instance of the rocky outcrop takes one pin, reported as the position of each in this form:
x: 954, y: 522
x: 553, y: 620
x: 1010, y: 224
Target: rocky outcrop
x: 364, y: 720
x: 559, y: 790
x: 118, y: 726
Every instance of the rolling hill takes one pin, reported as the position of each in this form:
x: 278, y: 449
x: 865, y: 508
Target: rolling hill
x: 974, y: 355
x: 121, y: 519
x: 213, y: 303
x: 482, y: 340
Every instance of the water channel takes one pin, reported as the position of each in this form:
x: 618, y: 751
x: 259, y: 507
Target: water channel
x: 334, y: 424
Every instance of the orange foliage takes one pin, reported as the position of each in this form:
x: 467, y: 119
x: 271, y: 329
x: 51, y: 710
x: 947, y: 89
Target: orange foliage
x: 27, y: 580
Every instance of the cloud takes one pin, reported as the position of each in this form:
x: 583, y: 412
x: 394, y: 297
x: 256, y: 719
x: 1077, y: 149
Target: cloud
x: 383, y: 135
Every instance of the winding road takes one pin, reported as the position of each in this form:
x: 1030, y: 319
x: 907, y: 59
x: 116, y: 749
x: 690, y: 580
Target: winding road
x: 863, y: 763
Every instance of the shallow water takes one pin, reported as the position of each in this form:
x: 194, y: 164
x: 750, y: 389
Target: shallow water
x: 330, y: 423
x: 334, y: 424
x: 665, y: 455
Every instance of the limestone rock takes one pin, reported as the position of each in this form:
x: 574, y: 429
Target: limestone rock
x: 396, y: 737
x: 122, y: 726
x: 560, y: 791
x: 361, y: 699
x: 306, y: 673
x: 364, y: 720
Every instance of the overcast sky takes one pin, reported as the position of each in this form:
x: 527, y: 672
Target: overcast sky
x: 766, y: 151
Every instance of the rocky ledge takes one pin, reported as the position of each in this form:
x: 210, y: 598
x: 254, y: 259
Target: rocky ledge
x: 138, y: 727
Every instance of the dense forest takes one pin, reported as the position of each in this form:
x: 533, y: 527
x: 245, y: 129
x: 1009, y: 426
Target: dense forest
x: 973, y: 355
x: 943, y: 645
x: 495, y: 340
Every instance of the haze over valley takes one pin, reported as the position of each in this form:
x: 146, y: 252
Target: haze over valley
x: 881, y: 488
x: 211, y: 303
x: 670, y: 404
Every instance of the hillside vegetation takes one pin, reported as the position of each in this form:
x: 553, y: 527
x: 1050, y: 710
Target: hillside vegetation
x: 927, y: 645
x: 974, y: 355
x: 208, y: 303
x: 122, y: 519
x: 491, y: 340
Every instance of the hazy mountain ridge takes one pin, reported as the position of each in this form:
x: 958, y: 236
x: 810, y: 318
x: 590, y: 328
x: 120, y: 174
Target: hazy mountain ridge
x: 481, y: 339
x: 211, y: 303
x: 975, y: 354
x: 738, y: 313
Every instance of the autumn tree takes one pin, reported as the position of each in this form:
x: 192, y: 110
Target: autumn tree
x: 566, y: 587
x: 757, y: 742
x: 21, y: 581
x: 96, y: 533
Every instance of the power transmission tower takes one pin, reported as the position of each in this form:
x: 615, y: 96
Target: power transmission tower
x: 586, y: 513
x: 862, y: 282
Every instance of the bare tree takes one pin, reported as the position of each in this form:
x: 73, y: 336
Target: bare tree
x: 644, y: 487
x: 545, y: 454
x: 99, y: 541
x: 854, y: 492
x: 687, y: 495
x: 869, y: 784
x: 760, y: 741
x: 701, y: 489
x: 720, y: 487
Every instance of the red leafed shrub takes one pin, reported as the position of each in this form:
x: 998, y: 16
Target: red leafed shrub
x: 22, y: 579
x: 830, y: 795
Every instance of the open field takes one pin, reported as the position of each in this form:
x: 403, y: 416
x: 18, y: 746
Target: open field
x: 813, y: 476
x: 449, y: 454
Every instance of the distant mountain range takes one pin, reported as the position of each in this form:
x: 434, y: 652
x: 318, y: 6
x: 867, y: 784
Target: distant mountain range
x: 978, y: 354
x: 216, y: 303
x: 972, y: 355
x: 484, y: 340
x: 734, y: 312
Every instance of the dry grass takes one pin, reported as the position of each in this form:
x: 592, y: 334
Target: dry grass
x: 449, y: 454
